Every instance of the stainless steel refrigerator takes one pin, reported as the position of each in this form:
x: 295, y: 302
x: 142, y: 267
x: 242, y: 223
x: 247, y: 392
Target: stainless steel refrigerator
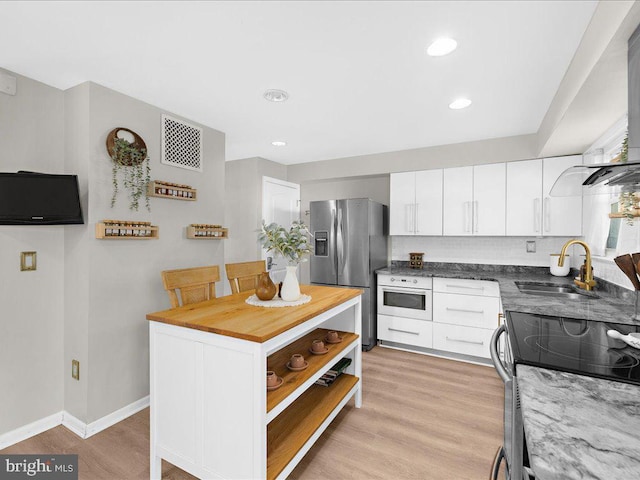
x: 350, y: 240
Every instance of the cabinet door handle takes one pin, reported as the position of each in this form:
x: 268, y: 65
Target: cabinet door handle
x: 536, y: 214
x: 475, y: 216
x: 464, y: 286
x: 402, y: 331
x: 417, y: 217
x: 464, y: 341
x: 464, y: 310
x: 547, y: 214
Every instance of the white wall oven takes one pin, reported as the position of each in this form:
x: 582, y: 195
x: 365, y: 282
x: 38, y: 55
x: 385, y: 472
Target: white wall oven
x: 405, y: 296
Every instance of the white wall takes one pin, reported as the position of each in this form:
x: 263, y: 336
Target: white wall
x: 31, y: 303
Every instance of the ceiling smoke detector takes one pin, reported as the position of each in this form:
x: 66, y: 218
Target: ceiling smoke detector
x: 274, y: 95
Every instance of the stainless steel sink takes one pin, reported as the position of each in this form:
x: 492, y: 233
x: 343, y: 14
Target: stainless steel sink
x: 550, y: 290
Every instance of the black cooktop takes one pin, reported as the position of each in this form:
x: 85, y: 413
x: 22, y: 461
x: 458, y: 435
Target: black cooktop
x: 572, y: 345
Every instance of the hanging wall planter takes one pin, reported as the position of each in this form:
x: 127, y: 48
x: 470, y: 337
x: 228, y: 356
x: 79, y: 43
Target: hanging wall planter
x: 130, y: 158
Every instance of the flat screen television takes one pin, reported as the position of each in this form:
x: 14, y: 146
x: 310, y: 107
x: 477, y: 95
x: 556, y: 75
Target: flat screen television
x: 30, y: 198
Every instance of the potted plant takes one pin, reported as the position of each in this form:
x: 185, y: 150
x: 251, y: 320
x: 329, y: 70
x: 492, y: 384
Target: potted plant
x: 628, y: 206
x: 294, y: 246
x: 132, y: 160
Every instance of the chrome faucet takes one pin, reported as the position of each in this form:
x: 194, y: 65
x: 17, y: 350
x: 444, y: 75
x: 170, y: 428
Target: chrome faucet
x: 588, y: 282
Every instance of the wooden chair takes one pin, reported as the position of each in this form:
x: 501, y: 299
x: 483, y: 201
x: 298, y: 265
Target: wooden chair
x: 244, y: 276
x: 195, y: 284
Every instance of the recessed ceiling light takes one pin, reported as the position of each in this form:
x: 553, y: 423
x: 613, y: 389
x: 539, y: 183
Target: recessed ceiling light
x: 274, y: 95
x: 278, y: 143
x: 460, y: 103
x: 442, y: 46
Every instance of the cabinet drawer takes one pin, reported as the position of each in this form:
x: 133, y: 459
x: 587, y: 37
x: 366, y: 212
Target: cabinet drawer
x: 405, y: 330
x: 468, y: 310
x: 464, y: 340
x: 463, y: 286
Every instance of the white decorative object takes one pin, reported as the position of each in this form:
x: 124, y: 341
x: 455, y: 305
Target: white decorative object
x: 562, y: 271
x: 632, y: 339
x: 277, y: 302
x: 290, y: 291
x: 181, y: 144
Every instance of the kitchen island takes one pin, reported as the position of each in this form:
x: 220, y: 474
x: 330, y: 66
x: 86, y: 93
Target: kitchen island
x: 211, y: 413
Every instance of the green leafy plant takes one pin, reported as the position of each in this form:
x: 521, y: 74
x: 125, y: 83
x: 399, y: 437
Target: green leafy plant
x: 293, y: 244
x: 135, y: 168
x: 624, y: 153
x: 628, y: 206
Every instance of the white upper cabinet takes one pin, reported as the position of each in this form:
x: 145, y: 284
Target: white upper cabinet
x: 458, y: 201
x: 429, y: 202
x: 474, y: 200
x: 402, y: 195
x: 524, y: 202
x: 416, y: 203
x: 530, y: 209
x: 489, y: 199
x: 562, y: 216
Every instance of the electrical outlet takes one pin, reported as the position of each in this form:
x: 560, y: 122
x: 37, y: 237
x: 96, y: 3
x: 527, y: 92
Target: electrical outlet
x: 27, y: 261
x: 531, y: 246
x: 75, y: 369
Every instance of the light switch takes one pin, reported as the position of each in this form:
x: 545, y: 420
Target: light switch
x: 27, y: 261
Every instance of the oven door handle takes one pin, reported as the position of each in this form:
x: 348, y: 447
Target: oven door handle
x: 495, y: 357
x: 406, y: 291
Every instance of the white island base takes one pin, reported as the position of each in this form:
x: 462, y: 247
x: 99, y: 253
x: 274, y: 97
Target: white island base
x: 211, y: 413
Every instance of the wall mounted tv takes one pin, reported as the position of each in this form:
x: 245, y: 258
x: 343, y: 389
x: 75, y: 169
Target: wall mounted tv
x: 30, y: 198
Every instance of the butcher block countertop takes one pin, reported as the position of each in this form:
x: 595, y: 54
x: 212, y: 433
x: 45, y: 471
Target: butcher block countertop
x: 232, y: 316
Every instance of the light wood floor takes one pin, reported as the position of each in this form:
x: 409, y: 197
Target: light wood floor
x: 422, y: 418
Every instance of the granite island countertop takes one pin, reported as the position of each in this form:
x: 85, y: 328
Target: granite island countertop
x: 580, y: 427
x: 599, y: 305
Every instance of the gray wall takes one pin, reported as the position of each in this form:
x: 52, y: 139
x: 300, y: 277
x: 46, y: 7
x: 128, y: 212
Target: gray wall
x: 31, y: 319
x: 119, y: 281
x: 243, y: 198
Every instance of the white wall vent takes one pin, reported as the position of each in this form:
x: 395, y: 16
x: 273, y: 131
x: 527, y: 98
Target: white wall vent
x: 181, y: 144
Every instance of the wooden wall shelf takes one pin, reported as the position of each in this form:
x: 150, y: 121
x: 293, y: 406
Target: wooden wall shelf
x: 126, y: 230
x: 199, y: 231
x: 175, y: 191
x: 622, y: 215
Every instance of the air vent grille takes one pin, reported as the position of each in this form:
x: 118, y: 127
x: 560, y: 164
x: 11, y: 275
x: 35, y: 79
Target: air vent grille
x: 181, y: 144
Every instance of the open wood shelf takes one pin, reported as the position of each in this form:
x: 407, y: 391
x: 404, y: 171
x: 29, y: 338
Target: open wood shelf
x: 622, y: 215
x: 292, y: 380
x: 206, y: 232
x: 175, y: 191
x: 289, y: 432
x: 126, y: 230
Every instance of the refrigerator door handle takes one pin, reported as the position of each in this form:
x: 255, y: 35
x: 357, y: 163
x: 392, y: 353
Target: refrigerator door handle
x: 340, y: 242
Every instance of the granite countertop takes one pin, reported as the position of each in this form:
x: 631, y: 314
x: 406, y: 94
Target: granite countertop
x: 607, y: 302
x: 579, y: 427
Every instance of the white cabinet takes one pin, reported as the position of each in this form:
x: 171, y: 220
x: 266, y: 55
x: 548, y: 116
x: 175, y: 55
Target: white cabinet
x: 458, y: 201
x: 562, y: 216
x: 465, y: 314
x: 531, y: 211
x: 474, y: 200
x: 489, y: 201
x: 416, y: 203
x: 408, y: 331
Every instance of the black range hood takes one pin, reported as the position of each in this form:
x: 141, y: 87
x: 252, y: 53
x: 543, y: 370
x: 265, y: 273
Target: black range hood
x: 607, y: 178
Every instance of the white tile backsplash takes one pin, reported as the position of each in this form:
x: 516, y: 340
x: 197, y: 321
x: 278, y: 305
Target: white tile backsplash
x: 483, y: 250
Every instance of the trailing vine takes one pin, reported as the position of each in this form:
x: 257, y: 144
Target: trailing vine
x: 134, y: 164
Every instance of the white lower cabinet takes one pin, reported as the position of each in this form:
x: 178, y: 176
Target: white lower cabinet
x: 462, y: 339
x: 465, y: 314
x: 407, y: 331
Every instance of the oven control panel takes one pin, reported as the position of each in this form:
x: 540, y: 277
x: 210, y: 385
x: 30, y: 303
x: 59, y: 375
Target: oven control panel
x: 405, y: 281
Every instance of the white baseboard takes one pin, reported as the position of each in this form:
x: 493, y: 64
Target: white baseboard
x: 72, y: 423
x: 28, y: 431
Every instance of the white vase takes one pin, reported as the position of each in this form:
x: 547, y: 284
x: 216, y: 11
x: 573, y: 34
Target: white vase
x: 290, y: 291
